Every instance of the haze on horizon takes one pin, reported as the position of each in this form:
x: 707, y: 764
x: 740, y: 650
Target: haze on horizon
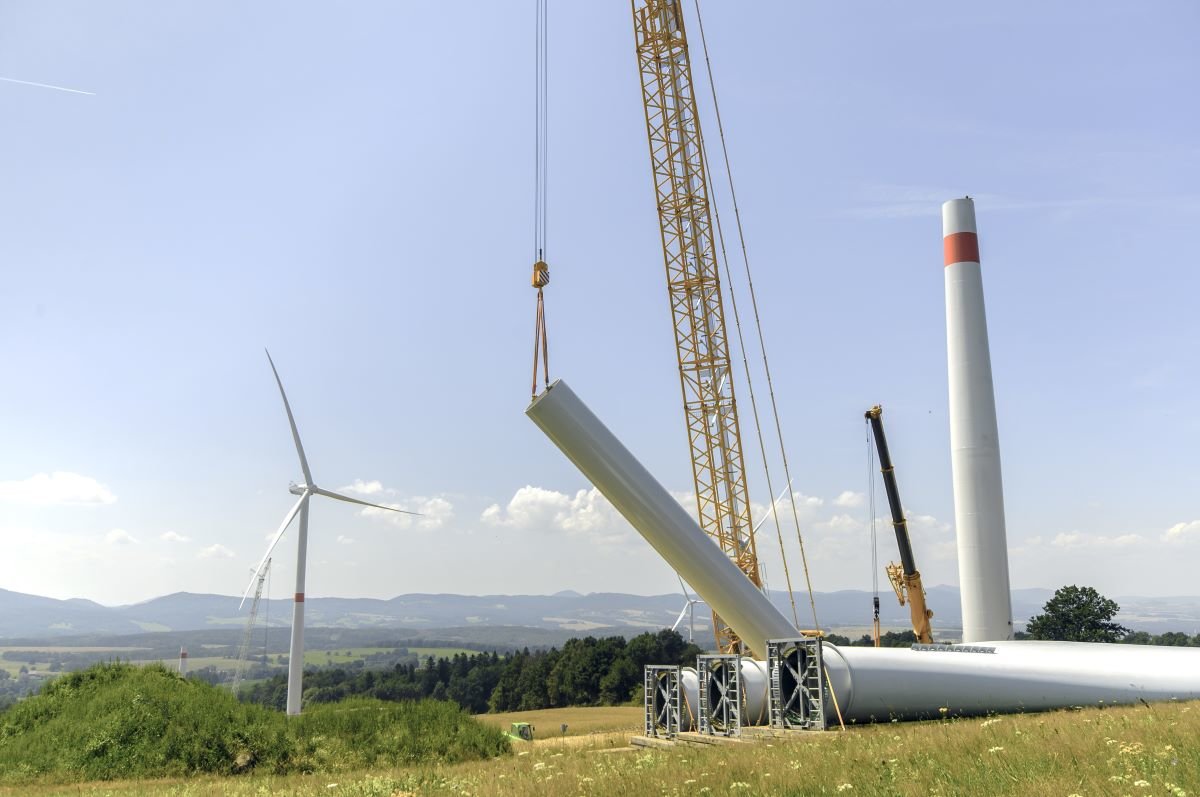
x: 339, y: 186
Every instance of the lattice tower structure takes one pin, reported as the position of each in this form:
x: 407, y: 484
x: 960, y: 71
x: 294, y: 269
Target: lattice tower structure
x: 702, y: 346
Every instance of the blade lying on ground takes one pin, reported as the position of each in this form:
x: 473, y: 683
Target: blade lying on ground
x: 348, y: 499
x: 287, y: 521
x: 291, y: 421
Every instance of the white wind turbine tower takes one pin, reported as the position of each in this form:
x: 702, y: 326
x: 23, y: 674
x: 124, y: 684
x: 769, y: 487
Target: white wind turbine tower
x: 305, y: 491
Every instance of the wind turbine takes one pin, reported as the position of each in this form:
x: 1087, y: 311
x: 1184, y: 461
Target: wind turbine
x: 305, y: 491
x: 689, y: 608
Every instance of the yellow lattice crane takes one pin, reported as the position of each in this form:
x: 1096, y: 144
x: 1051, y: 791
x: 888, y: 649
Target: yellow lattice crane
x: 685, y: 219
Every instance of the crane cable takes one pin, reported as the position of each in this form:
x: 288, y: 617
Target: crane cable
x: 761, y: 342
x: 874, y: 536
x: 541, y: 271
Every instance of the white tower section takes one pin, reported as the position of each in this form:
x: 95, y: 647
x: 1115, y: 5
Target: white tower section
x: 974, y: 440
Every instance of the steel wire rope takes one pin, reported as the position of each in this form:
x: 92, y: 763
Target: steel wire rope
x: 741, y: 345
x: 757, y: 322
x: 541, y: 272
x: 874, y: 535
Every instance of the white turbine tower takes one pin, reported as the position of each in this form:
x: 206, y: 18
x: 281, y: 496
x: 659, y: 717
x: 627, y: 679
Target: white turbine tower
x: 305, y: 491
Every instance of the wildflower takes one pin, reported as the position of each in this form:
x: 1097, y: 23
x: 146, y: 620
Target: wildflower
x: 988, y: 722
x: 539, y: 765
x: 845, y: 786
x: 995, y: 749
x: 1142, y: 784
x: 737, y: 784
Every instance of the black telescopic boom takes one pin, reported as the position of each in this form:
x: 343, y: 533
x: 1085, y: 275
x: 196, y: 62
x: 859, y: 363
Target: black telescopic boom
x: 875, y: 416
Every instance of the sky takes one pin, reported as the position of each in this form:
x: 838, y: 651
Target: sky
x: 351, y: 187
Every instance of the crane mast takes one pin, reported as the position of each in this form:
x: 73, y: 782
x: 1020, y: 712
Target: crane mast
x: 248, y: 633
x: 702, y: 346
x: 905, y: 578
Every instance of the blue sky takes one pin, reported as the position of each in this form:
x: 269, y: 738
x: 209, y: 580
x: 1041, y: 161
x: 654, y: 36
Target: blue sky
x: 352, y: 187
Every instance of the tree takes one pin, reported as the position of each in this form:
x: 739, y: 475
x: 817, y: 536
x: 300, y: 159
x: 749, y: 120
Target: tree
x: 1077, y: 614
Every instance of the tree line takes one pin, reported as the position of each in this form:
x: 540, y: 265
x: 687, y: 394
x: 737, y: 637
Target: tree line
x: 586, y: 671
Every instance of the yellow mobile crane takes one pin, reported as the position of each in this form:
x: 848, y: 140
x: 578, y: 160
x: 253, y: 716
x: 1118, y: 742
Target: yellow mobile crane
x: 905, y: 578
x: 702, y: 346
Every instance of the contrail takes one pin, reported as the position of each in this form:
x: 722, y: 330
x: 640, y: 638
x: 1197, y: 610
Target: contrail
x: 47, y: 86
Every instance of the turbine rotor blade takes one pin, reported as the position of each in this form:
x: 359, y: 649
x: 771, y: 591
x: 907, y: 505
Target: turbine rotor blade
x: 771, y: 509
x: 291, y: 421
x: 682, y: 614
x: 287, y: 521
x: 349, y: 500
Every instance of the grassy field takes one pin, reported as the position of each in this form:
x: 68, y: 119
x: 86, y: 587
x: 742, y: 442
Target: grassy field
x: 1127, y: 751
x: 580, y: 721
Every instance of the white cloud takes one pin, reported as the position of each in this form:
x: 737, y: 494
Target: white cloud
x: 434, y: 511
x: 60, y: 487
x: 362, y: 488
x: 344, y: 540
x: 1182, y: 531
x: 119, y: 537
x: 848, y: 499
x: 535, y: 508
x: 216, y: 551
x: 171, y: 536
x: 1077, y: 539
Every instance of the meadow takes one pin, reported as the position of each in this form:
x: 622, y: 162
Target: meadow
x: 1143, y: 750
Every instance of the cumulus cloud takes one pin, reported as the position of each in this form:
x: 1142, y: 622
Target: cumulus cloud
x: 848, y: 499
x: 1181, y: 532
x: 434, y: 511
x: 171, y: 536
x: 119, y: 537
x: 216, y: 551
x: 536, y: 508
x: 60, y: 487
x: 362, y: 488
x: 1077, y: 539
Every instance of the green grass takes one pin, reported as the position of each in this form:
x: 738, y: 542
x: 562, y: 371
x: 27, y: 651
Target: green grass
x: 548, y: 722
x: 1116, y: 751
x: 115, y: 721
x: 441, y: 653
x: 320, y: 658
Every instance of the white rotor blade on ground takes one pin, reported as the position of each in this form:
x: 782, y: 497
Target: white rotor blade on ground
x: 291, y: 421
x: 348, y: 499
x: 287, y: 521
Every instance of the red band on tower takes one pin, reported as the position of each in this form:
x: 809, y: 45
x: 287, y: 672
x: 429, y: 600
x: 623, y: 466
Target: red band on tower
x: 961, y: 247
x: 299, y: 597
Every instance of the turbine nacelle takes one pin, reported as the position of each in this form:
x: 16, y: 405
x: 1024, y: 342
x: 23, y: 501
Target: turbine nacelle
x: 298, y: 489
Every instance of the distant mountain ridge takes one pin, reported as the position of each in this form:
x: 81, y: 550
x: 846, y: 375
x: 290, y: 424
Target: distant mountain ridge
x: 23, y: 615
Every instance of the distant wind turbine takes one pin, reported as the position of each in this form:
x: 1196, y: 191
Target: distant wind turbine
x: 305, y: 491
x: 689, y: 608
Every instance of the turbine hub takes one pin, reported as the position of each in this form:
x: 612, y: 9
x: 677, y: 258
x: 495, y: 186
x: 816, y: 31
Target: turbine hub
x: 297, y: 489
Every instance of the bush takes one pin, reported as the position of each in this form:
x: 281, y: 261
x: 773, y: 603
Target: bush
x: 122, y: 721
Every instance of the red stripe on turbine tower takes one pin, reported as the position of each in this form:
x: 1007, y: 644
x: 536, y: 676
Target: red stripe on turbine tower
x: 299, y: 597
x: 961, y: 247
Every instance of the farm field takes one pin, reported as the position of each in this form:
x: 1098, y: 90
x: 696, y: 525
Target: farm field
x: 547, y: 723
x: 1116, y: 751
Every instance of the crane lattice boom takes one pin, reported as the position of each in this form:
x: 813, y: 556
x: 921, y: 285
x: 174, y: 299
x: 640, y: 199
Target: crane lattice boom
x: 248, y: 633
x: 685, y: 220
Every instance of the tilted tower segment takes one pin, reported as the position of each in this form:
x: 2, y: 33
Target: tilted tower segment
x: 685, y: 220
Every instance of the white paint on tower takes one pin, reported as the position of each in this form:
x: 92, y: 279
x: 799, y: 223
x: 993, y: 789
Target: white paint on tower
x: 974, y: 439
